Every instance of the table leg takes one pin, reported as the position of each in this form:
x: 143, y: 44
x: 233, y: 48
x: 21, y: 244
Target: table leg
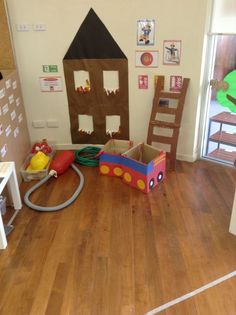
x: 14, y: 190
x: 3, y: 239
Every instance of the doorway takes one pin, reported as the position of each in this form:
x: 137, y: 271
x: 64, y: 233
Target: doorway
x: 220, y: 127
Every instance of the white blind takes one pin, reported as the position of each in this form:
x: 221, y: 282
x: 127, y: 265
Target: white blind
x: 224, y: 17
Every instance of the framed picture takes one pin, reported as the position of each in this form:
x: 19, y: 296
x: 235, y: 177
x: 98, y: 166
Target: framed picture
x: 145, y: 32
x: 176, y: 83
x: 143, y: 81
x: 148, y: 59
x: 50, y: 84
x: 172, y: 52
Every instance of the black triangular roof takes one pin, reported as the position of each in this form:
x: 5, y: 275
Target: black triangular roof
x: 93, y: 41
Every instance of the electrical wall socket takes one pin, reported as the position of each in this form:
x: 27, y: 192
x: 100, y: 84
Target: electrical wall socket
x: 52, y: 123
x: 38, y: 123
x: 23, y: 27
x: 39, y: 27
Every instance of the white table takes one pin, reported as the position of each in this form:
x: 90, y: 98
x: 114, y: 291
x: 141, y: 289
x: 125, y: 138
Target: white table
x: 8, y: 176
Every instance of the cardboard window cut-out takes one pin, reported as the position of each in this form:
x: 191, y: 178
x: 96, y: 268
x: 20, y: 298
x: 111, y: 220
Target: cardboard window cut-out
x: 95, y: 52
x: 112, y: 125
x: 111, y: 82
x: 82, y: 81
x: 85, y: 124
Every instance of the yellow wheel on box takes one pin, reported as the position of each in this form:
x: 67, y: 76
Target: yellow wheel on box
x: 104, y: 169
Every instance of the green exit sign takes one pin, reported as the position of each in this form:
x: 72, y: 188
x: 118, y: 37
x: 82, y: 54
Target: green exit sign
x: 50, y: 68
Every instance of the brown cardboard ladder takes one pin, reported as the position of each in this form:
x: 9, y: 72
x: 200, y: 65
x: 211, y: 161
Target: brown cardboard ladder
x: 158, y: 108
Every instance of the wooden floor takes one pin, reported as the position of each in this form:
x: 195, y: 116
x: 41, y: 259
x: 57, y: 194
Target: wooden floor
x: 117, y: 251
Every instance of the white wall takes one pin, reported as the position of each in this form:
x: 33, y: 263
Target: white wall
x: 181, y: 20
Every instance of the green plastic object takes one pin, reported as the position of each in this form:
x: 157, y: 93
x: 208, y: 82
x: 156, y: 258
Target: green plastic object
x: 87, y: 156
x: 228, y: 98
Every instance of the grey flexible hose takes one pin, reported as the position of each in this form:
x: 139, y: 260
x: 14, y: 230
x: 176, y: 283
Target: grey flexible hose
x: 60, y: 206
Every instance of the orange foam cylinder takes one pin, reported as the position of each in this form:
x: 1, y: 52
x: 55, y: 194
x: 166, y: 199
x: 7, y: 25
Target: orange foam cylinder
x: 62, y: 162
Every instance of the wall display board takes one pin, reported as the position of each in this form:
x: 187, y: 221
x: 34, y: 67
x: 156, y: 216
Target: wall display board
x: 6, y: 53
x: 14, y: 136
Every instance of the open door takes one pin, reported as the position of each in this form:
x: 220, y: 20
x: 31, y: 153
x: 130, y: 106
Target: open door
x: 220, y: 126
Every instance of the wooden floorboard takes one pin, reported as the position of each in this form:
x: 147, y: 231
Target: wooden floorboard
x: 117, y: 251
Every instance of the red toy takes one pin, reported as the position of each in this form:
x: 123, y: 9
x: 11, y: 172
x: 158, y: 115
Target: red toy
x: 62, y: 162
x: 42, y: 146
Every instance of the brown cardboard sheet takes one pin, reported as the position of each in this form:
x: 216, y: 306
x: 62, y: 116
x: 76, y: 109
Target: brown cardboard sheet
x: 96, y: 102
x: 14, y: 136
x: 94, y: 50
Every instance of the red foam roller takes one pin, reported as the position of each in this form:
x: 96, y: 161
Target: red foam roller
x: 62, y: 162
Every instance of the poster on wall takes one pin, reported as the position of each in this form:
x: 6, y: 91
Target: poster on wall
x: 175, y: 83
x: 50, y: 84
x: 50, y: 68
x: 146, y: 58
x: 145, y: 32
x: 172, y: 52
x: 143, y: 81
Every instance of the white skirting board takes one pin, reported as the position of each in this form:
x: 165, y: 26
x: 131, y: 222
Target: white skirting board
x: 183, y: 157
x: 232, y: 227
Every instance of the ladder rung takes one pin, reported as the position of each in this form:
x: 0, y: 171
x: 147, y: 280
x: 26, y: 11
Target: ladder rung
x: 166, y: 110
x: 164, y: 124
x: 163, y: 139
x: 171, y: 95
